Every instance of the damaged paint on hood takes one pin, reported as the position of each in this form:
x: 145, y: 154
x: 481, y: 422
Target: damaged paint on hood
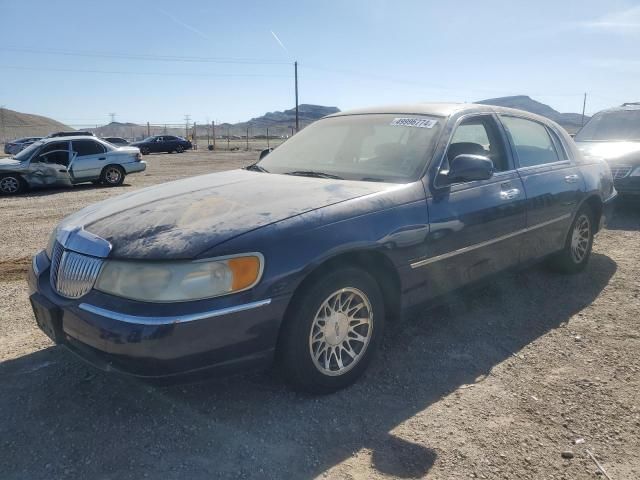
x: 179, y: 220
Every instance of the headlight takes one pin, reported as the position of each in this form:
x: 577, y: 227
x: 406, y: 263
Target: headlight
x: 635, y: 172
x: 180, y: 281
x: 51, y: 242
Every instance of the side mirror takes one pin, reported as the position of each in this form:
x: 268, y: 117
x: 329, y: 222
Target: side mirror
x: 466, y: 168
x: 264, y: 153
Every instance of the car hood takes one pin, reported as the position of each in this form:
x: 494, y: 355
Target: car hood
x: 181, y: 219
x: 8, y: 163
x: 613, y: 152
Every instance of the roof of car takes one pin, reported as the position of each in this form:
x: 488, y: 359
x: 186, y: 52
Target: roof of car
x: 71, y: 137
x: 439, y: 110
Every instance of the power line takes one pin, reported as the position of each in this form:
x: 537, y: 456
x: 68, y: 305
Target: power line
x: 149, y: 57
x: 119, y: 72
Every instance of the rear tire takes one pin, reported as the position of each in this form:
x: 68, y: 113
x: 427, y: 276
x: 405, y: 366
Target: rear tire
x: 573, y: 258
x: 332, y: 331
x: 112, y: 176
x: 179, y: 149
x: 11, y: 184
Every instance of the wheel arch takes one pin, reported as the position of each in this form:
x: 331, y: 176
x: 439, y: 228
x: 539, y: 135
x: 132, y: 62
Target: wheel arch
x: 595, y: 203
x: 374, y: 262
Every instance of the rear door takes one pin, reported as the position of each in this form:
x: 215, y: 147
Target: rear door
x: 474, y: 226
x: 552, y: 182
x: 88, y: 160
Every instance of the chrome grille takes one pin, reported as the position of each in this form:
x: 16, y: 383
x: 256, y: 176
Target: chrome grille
x: 73, y: 274
x: 620, y: 171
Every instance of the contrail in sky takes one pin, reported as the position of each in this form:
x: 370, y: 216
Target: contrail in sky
x: 280, y: 42
x: 187, y: 26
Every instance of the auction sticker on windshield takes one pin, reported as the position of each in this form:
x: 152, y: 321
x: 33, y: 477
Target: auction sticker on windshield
x: 413, y: 122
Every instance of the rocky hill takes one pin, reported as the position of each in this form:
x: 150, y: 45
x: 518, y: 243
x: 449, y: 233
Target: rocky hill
x: 16, y: 124
x: 570, y: 121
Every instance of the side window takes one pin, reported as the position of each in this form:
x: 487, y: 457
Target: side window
x: 478, y: 136
x: 531, y: 141
x: 159, y: 139
x: 170, y: 139
x: 87, y: 147
x: 562, y: 152
x: 56, y: 153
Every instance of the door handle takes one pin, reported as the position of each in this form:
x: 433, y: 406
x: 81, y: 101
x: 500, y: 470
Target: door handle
x: 102, y: 158
x: 509, y: 194
x: 62, y: 171
x: 571, y: 178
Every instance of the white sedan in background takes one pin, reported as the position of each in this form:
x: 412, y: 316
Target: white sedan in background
x: 66, y: 161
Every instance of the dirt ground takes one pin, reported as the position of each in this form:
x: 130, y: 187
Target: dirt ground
x: 496, y: 385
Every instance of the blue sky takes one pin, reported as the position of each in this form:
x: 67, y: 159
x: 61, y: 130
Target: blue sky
x: 351, y: 54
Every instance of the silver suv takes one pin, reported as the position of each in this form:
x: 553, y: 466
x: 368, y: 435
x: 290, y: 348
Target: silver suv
x: 66, y: 161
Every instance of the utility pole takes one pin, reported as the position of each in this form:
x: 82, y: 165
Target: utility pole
x: 148, y: 130
x: 113, y: 117
x: 4, y: 135
x: 228, y: 146
x: 267, y: 137
x: 247, y: 139
x: 187, y: 119
x: 295, y: 67
x: 584, y: 105
x: 213, y: 132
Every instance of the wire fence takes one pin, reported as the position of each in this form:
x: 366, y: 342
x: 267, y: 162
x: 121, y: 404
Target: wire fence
x: 211, y: 136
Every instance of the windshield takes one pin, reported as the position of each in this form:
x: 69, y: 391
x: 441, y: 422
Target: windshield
x: 619, y: 125
x: 390, y: 148
x: 26, y: 154
x: 149, y: 139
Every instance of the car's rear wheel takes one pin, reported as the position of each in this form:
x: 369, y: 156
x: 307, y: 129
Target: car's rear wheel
x: 145, y: 150
x: 11, y: 184
x: 179, y: 149
x: 112, y: 175
x: 332, y: 331
x: 575, y: 255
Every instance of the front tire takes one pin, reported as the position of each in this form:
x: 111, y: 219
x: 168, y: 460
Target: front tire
x: 145, y: 150
x: 112, y: 175
x: 573, y: 258
x: 332, y: 331
x: 179, y: 149
x: 11, y: 184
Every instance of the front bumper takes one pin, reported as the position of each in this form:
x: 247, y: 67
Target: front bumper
x: 158, y: 340
x: 627, y: 185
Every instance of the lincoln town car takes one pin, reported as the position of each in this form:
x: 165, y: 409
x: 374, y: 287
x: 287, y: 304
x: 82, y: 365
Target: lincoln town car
x: 301, y: 258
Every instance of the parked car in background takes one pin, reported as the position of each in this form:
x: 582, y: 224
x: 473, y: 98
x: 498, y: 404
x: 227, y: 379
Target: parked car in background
x: 303, y: 256
x: 19, y: 144
x: 71, y: 134
x: 614, y: 135
x: 118, y: 141
x: 66, y: 161
x: 162, y: 143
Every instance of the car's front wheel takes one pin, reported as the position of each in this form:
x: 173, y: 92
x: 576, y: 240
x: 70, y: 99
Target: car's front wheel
x: 112, y: 175
x: 332, y: 331
x: 575, y: 255
x: 145, y: 150
x: 179, y: 149
x: 11, y: 184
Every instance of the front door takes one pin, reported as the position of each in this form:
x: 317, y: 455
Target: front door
x: 50, y: 166
x: 474, y: 225
x: 552, y: 182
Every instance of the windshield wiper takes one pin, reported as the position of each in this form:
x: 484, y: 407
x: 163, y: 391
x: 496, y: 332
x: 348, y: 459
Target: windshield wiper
x: 256, y: 168
x: 313, y: 173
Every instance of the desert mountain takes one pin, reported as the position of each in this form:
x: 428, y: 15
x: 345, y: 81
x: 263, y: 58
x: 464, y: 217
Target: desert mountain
x: 570, y: 121
x: 16, y: 124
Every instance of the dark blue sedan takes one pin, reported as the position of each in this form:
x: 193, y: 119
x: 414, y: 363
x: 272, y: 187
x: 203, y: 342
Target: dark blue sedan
x: 162, y: 143
x: 302, y: 257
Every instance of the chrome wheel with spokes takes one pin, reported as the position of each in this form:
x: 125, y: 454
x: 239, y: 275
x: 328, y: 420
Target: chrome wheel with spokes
x: 341, y: 331
x: 332, y: 330
x: 580, y: 238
